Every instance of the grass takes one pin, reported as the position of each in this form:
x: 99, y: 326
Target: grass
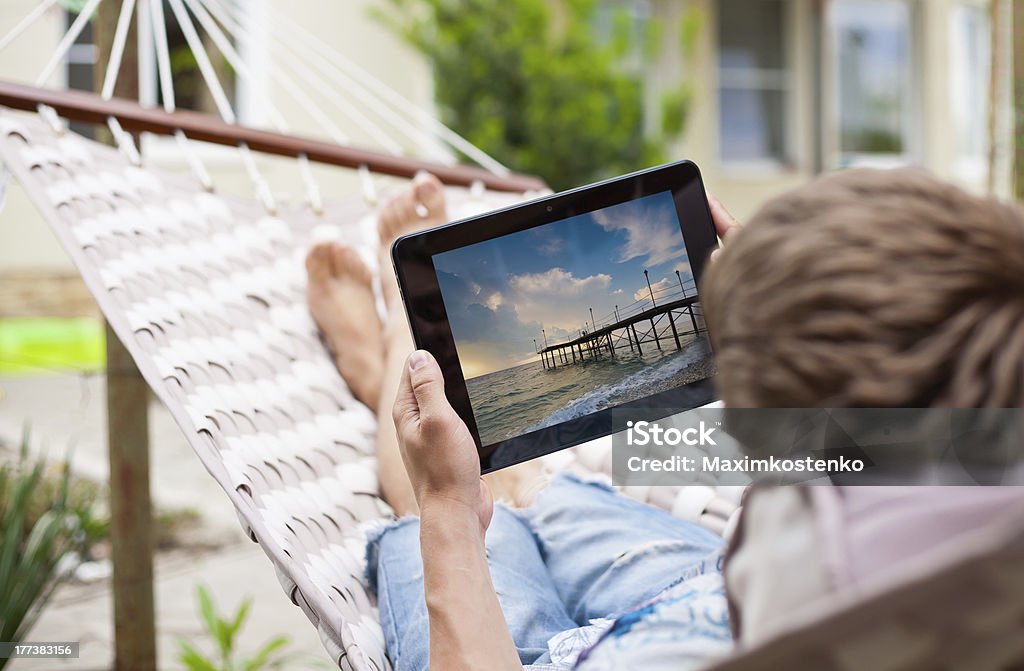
x: 40, y: 345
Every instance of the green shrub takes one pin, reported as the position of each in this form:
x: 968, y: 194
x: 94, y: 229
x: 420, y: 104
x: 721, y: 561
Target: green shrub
x: 224, y: 633
x: 555, y: 89
x: 44, y: 517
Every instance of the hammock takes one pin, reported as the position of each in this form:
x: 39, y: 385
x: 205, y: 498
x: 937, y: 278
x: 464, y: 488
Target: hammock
x: 206, y: 292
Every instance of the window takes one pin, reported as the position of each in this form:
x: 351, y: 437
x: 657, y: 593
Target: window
x: 970, y: 63
x: 874, y: 80
x: 80, y: 64
x: 753, y: 82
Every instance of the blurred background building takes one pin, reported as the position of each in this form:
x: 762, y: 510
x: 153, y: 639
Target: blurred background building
x: 783, y: 90
x: 791, y: 88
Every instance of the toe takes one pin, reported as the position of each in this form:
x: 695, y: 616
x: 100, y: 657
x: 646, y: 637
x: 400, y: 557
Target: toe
x: 389, y: 221
x: 430, y: 193
x: 319, y: 261
x: 348, y: 263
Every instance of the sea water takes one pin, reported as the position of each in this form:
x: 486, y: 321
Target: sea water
x: 525, y: 398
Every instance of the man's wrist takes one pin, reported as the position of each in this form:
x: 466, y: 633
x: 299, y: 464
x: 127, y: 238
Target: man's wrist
x: 439, y: 510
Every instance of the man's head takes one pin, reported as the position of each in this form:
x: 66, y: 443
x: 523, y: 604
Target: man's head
x: 872, y: 289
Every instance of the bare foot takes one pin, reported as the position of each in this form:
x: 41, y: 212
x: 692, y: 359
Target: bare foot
x: 416, y: 208
x: 340, y: 297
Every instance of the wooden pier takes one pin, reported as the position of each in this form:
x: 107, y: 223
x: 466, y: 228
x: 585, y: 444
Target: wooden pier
x: 660, y: 326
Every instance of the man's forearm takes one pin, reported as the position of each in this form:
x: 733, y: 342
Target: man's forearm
x: 467, y: 627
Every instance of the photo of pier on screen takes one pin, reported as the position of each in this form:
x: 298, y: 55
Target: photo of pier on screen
x: 579, y: 315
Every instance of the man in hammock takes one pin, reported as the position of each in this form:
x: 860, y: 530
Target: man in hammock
x: 911, y: 294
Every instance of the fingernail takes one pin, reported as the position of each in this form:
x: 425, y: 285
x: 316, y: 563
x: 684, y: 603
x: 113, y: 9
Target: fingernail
x: 418, y: 358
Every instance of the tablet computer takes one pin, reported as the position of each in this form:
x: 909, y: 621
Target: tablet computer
x: 548, y: 315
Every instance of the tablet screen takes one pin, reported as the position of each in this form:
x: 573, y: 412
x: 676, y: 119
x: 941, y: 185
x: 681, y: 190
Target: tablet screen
x: 576, y: 316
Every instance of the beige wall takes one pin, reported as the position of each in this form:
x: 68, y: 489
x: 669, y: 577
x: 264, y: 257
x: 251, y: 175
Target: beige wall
x: 744, y: 192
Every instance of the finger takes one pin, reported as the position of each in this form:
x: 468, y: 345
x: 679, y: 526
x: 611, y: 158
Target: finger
x: 487, y: 504
x: 427, y: 385
x: 725, y: 224
x: 405, y: 411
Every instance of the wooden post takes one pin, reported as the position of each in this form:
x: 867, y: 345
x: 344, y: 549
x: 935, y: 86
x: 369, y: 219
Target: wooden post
x: 131, y: 517
x: 611, y: 345
x: 675, y: 334
x: 639, y: 351
x: 693, y: 320
x: 654, y: 331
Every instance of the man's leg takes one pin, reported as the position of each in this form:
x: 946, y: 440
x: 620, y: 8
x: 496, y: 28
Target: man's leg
x: 607, y: 553
x: 419, y: 207
x: 533, y: 610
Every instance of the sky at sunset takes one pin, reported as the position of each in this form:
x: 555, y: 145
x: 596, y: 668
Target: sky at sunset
x: 499, y: 294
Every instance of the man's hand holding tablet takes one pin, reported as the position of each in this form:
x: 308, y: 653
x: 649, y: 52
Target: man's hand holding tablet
x: 545, y: 316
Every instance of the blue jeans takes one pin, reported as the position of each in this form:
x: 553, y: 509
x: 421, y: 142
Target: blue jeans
x: 581, y: 552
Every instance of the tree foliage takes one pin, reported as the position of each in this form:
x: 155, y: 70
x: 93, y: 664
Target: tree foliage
x: 551, y: 88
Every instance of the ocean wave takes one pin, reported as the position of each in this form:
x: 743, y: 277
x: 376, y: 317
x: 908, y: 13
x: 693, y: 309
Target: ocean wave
x: 607, y: 395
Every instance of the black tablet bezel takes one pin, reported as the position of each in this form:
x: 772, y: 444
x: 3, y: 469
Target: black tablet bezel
x: 413, y: 254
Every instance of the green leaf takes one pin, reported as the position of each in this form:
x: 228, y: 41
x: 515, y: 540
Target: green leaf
x: 262, y: 658
x: 240, y: 615
x: 215, y: 626
x: 193, y: 659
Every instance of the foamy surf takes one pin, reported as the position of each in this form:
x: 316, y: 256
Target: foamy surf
x: 634, y: 386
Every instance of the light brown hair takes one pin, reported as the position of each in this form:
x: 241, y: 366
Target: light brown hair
x: 872, y: 289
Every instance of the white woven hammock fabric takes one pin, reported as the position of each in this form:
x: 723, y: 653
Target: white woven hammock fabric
x: 207, y: 293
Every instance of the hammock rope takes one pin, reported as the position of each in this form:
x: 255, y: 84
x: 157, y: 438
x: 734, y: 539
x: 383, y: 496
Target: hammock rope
x: 393, y: 98
x: 221, y: 102
x: 72, y: 33
x: 165, y: 82
x: 306, y: 58
x: 234, y: 29
x: 25, y: 22
x: 332, y: 79
x: 124, y: 141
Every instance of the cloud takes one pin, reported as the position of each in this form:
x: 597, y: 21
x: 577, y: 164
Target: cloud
x: 558, y: 281
x: 558, y: 299
x: 495, y: 300
x: 652, y: 232
x: 552, y: 247
x: 644, y: 294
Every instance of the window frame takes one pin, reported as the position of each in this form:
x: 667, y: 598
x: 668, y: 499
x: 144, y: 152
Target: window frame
x: 785, y: 80
x: 912, y: 133
x: 970, y: 167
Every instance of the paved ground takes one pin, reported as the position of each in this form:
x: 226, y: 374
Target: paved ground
x: 65, y: 410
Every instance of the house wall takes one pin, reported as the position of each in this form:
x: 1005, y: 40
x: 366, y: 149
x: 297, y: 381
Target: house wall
x: 26, y: 243
x: 743, y: 189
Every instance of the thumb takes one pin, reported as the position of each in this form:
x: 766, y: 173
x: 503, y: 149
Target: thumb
x: 427, y: 385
